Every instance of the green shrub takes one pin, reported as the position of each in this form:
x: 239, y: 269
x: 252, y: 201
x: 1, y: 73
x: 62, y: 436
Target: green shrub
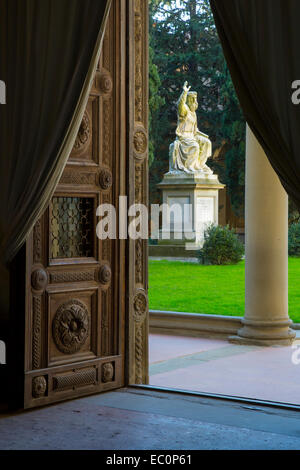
x: 221, y: 246
x: 294, y: 239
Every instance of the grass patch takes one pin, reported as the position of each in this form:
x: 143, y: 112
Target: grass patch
x: 219, y: 290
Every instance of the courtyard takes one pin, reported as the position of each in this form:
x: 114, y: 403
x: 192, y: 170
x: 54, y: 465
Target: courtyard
x: 214, y: 366
x: 210, y: 364
x: 190, y: 287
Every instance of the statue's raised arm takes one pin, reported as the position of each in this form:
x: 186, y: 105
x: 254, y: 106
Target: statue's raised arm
x: 182, y: 106
x: 192, y: 147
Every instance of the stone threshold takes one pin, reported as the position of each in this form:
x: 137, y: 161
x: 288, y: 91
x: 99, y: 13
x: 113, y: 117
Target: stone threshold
x: 196, y: 324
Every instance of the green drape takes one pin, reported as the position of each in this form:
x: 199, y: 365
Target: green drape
x: 48, y: 53
x: 261, y: 39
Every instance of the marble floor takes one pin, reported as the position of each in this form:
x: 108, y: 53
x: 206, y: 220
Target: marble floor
x: 218, y: 367
x: 140, y: 419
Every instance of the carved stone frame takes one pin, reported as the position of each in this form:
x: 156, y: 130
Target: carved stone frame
x: 137, y: 289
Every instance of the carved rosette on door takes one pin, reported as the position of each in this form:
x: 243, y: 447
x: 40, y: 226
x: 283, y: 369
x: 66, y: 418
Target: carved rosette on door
x: 75, y: 310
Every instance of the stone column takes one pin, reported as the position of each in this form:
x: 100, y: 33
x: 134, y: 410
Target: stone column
x: 266, y: 320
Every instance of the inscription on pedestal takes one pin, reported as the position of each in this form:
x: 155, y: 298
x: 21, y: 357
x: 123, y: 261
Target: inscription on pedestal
x: 180, y: 212
x: 205, y: 210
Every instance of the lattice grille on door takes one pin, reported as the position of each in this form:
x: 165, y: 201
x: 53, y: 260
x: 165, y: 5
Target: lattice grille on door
x: 71, y: 227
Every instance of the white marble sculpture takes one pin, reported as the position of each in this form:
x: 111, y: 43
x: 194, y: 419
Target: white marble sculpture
x: 192, y: 148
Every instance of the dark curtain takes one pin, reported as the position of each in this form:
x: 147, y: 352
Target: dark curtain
x: 261, y: 43
x: 48, y: 54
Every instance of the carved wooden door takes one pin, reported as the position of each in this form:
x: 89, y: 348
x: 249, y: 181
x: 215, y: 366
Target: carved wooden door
x: 75, y: 293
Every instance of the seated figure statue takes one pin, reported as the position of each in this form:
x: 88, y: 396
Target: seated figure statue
x: 191, y: 148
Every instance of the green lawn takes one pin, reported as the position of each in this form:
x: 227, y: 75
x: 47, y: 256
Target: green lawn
x: 220, y: 290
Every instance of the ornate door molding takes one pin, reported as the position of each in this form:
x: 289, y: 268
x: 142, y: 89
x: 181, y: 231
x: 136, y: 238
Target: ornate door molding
x: 75, y: 291
x: 85, y: 325
x: 138, y: 317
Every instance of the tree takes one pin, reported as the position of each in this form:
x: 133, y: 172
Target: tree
x: 155, y: 102
x: 185, y: 47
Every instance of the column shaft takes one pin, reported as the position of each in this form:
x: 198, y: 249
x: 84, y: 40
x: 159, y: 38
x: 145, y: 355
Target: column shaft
x: 266, y: 320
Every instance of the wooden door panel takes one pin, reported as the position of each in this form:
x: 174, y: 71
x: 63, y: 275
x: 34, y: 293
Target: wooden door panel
x: 75, y: 283
x: 86, y: 148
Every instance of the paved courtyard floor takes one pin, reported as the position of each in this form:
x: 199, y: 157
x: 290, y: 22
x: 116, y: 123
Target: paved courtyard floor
x: 216, y: 366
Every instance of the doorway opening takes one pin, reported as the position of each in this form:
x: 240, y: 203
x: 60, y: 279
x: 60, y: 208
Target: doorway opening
x: 197, y: 290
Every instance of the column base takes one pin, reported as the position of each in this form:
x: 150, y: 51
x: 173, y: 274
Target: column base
x: 261, y: 342
x: 264, y: 333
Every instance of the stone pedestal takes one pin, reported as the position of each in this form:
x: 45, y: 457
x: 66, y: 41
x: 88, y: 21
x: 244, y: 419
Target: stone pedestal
x: 190, y: 203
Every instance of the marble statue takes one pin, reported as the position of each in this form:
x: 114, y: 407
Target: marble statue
x: 192, y: 147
